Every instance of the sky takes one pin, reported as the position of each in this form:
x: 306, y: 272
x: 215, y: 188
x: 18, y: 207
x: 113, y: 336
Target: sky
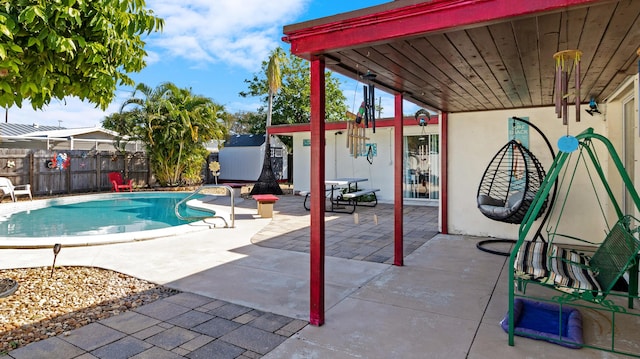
x: 212, y: 47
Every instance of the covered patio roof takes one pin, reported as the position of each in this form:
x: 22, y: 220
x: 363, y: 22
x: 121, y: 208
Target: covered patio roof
x: 457, y: 56
x: 473, y: 55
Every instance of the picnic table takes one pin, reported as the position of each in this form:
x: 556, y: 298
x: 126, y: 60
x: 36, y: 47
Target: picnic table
x: 344, y: 202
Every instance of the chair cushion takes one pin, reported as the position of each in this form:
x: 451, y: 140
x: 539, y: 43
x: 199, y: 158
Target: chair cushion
x: 514, y: 200
x: 484, y: 199
x: 497, y: 209
x: 567, y: 270
x: 531, y: 260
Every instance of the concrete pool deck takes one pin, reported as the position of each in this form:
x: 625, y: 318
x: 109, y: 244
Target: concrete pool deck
x: 445, y: 302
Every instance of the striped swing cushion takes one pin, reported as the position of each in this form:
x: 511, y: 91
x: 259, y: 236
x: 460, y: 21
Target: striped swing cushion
x: 567, y: 270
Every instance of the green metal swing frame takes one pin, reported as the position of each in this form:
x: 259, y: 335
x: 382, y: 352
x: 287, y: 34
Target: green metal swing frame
x: 621, y: 234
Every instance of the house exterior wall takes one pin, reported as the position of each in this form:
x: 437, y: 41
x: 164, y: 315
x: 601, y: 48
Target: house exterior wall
x: 476, y: 137
x: 339, y: 162
x: 58, y: 145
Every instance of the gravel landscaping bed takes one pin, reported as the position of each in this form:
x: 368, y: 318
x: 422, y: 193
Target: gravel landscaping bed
x: 44, y: 305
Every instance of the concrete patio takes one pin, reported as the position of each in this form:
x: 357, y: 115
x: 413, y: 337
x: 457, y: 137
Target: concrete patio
x: 245, y: 294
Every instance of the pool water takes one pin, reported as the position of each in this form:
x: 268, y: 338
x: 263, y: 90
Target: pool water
x: 120, y: 214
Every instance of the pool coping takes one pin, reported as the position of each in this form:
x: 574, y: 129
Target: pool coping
x: 102, y: 239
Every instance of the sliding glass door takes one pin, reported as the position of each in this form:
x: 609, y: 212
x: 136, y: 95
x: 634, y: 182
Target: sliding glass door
x: 422, y: 167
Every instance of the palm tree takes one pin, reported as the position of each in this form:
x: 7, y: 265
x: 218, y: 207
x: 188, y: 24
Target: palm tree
x: 174, y: 124
x: 267, y: 183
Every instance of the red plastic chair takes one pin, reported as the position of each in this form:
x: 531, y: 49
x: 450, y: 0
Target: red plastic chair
x: 117, y: 183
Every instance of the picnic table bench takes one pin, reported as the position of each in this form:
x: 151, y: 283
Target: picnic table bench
x: 359, y: 194
x: 344, y: 202
x: 265, y: 204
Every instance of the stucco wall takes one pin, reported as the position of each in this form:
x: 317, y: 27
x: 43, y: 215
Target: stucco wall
x: 474, y: 138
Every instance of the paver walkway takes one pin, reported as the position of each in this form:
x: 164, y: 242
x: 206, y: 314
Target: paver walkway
x: 185, y: 325
x: 365, y: 235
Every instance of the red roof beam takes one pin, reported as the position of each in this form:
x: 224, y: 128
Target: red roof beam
x: 411, y: 20
x: 342, y: 125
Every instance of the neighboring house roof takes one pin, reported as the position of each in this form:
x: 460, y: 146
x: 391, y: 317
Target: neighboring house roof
x: 245, y: 141
x: 31, y: 131
x: 73, y: 132
x: 17, y: 129
x: 55, y: 137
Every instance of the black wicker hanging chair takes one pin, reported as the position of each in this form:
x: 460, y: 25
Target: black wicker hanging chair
x: 510, y: 183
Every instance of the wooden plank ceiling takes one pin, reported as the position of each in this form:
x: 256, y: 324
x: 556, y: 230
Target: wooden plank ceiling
x: 501, y: 64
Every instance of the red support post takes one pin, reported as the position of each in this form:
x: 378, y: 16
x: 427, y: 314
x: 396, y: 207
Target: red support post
x: 316, y: 315
x: 398, y: 254
x: 444, y: 173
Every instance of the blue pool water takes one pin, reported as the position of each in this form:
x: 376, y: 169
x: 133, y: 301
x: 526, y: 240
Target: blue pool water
x: 118, y: 214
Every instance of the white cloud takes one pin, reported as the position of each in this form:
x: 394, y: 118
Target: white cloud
x: 239, y: 33
x: 246, y: 106
x: 152, y: 57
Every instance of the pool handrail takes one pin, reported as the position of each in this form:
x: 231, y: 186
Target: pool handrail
x: 229, y: 190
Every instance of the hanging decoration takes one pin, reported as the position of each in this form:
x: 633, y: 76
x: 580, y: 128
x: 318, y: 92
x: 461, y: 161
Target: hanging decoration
x: 59, y: 161
x: 356, y: 138
x: 593, y: 107
x: 369, y: 100
x: 423, y: 117
x: 370, y: 154
x: 566, y: 62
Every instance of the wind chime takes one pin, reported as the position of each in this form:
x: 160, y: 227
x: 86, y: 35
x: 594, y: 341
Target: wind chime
x: 356, y: 136
x: 567, y: 61
x: 423, y: 117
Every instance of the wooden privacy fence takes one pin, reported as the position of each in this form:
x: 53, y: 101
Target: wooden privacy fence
x: 75, y: 171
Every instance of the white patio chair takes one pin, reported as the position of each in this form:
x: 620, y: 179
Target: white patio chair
x: 9, y: 189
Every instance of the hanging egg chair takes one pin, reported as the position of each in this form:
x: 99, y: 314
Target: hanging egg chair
x: 510, y: 183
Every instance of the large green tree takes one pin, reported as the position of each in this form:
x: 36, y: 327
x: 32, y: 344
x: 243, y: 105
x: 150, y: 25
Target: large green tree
x: 245, y: 122
x: 292, y: 103
x: 50, y: 49
x: 174, y: 124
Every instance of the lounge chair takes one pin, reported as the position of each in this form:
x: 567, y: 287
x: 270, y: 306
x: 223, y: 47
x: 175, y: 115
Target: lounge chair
x: 118, y: 184
x: 8, y: 188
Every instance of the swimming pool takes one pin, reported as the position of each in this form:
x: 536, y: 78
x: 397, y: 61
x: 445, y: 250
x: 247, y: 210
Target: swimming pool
x: 82, y: 220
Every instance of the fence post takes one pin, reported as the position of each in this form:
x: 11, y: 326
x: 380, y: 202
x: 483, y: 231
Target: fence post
x: 69, y: 175
x: 148, y: 163
x: 98, y: 172
x: 31, y: 171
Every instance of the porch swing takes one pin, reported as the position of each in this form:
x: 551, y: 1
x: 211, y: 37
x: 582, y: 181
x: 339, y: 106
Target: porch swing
x: 588, y: 272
